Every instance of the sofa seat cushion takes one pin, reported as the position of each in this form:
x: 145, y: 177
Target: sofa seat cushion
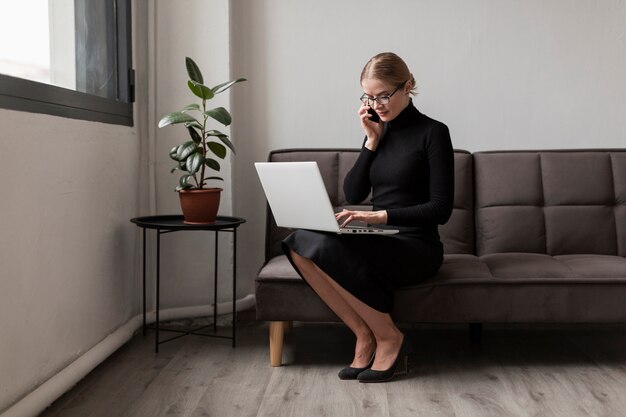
x: 282, y: 295
x: 519, y: 268
x: 534, y: 267
x: 278, y: 269
x: 595, y: 267
x: 519, y: 287
x: 516, y: 267
x: 503, y: 287
x: 456, y: 267
x: 459, y: 268
x: 498, y: 268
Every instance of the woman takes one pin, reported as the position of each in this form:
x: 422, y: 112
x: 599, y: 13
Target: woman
x: 407, y: 163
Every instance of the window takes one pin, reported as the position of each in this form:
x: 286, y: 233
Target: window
x: 69, y: 58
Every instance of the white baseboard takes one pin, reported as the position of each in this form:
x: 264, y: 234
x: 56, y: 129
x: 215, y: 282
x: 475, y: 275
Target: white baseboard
x: 45, y: 394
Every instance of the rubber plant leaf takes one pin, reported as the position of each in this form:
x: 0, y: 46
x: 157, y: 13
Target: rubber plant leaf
x: 185, y: 150
x: 193, y: 71
x: 225, y: 86
x: 173, y: 153
x: 220, y: 114
x: 215, y: 133
x: 213, y: 164
x: 193, y: 106
x: 177, y: 167
x: 175, y: 118
x: 195, y: 124
x: 195, y: 136
x: 200, y: 90
x: 194, y: 162
x: 218, y: 149
x: 183, y: 183
x: 227, y: 142
x: 222, y: 137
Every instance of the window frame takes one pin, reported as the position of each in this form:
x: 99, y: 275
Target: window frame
x: 35, y: 97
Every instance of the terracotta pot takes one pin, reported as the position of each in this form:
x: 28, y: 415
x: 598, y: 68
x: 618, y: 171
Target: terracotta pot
x: 200, y: 206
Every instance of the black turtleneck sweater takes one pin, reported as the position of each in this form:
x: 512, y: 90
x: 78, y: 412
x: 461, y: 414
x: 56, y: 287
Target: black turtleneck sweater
x: 411, y: 174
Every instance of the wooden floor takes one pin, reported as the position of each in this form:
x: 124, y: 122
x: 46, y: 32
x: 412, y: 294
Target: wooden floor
x: 518, y: 370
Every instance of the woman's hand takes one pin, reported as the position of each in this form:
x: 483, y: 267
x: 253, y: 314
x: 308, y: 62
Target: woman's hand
x: 370, y: 217
x: 372, y: 130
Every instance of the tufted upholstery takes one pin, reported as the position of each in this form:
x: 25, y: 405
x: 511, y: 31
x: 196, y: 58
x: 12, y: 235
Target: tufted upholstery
x: 457, y: 235
x: 535, y: 236
x: 552, y: 202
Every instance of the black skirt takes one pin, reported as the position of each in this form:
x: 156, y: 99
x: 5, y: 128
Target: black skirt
x: 370, y: 267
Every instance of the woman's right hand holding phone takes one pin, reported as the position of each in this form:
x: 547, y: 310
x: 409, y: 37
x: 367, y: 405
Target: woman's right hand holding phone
x: 372, y: 129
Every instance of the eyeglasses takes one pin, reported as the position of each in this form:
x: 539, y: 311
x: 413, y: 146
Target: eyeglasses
x: 369, y: 101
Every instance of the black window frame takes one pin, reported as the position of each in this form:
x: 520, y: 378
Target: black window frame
x: 35, y: 97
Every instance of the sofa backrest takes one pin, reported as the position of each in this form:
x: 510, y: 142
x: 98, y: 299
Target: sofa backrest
x: 457, y: 235
x: 552, y: 202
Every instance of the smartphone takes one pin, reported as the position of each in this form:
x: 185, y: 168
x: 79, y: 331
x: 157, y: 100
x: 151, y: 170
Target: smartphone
x: 375, y: 118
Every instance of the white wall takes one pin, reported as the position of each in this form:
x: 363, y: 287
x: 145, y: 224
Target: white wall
x: 198, y: 29
x: 67, y: 252
x: 501, y: 74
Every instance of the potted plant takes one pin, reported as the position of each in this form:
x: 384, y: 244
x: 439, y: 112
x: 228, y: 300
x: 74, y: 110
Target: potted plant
x: 200, y: 154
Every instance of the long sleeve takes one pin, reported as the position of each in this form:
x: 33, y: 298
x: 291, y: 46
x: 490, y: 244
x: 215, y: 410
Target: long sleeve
x: 410, y: 175
x: 438, y: 208
x: 357, y: 185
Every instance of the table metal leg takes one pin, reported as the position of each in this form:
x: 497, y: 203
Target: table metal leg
x: 215, y: 286
x: 144, y: 281
x: 196, y: 331
x: 158, y: 284
x: 234, y: 283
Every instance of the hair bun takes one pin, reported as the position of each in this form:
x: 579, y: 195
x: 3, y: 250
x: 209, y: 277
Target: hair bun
x: 390, y: 68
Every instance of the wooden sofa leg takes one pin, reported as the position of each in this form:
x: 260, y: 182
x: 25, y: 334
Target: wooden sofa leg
x: 476, y: 332
x: 277, y: 337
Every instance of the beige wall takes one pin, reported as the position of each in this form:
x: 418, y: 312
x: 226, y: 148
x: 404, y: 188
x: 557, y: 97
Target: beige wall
x: 198, y: 29
x: 501, y: 74
x: 67, y: 251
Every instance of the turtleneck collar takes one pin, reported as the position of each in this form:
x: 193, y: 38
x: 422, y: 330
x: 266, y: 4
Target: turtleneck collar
x: 406, y: 117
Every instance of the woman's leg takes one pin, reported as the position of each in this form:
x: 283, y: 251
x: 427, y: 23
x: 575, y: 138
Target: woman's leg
x: 388, y: 337
x: 365, y: 344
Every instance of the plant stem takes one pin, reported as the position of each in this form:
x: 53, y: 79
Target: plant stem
x: 203, y: 143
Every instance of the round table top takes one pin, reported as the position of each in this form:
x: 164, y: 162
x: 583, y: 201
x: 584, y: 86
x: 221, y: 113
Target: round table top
x: 175, y: 222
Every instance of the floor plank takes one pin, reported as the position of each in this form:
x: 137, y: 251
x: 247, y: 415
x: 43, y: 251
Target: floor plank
x: 531, y: 370
x: 239, y: 384
x: 109, y: 389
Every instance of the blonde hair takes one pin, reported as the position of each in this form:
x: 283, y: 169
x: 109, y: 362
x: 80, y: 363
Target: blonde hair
x: 389, y: 68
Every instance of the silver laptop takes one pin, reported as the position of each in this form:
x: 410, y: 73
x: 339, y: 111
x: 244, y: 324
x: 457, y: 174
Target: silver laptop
x: 296, y: 194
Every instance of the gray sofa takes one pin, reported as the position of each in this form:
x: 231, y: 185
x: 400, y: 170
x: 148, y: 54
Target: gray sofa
x: 535, y: 236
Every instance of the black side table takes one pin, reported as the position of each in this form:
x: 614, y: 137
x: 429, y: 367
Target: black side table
x: 174, y: 223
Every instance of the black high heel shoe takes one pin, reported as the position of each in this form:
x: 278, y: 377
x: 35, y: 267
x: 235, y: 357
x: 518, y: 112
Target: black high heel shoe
x: 370, y: 375
x: 351, y: 373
